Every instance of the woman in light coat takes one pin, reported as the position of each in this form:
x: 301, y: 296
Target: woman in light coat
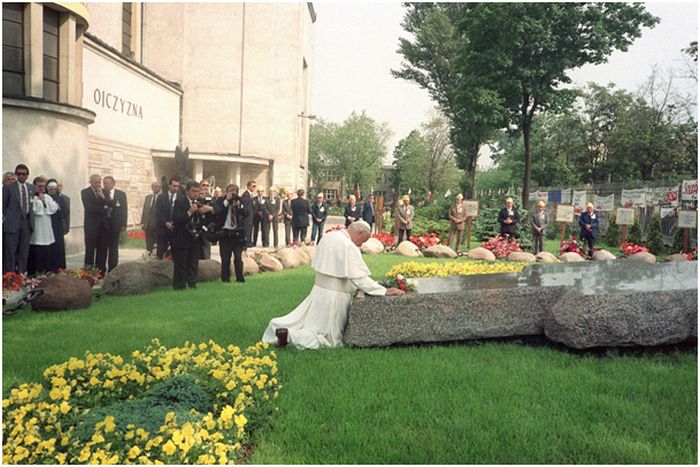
x: 538, y: 220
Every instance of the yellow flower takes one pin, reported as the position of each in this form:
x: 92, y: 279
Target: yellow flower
x: 20, y: 454
x: 240, y: 420
x: 94, y: 381
x: 109, y: 424
x: 134, y: 452
x: 84, y: 454
x: 206, y: 459
x: 218, y: 374
x: 226, y: 413
x: 55, y: 394
x: 61, y: 458
x: 231, y: 385
x: 97, y: 438
x: 65, y: 407
x: 169, y: 448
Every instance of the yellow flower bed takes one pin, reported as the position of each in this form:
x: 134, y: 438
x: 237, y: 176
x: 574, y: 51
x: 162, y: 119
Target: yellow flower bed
x: 39, y: 420
x: 413, y: 269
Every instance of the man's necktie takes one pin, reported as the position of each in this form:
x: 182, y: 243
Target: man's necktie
x: 23, y: 190
x: 232, y: 209
x: 172, y: 203
x: 109, y: 209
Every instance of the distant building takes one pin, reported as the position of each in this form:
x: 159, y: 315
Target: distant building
x: 113, y: 88
x: 334, y: 192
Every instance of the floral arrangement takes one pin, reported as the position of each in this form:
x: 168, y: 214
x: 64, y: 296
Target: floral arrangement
x: 136, y: 234
x: 501, y: 247
x: 572, y: 245
x: 386, y: 238
x: 13, y: 282
x: 414, y: 269
x: 629, y: 248
x: 91, y: 274
x: 399, y: 282
x: 335, y: 227
x: 692, y: 255
x: 62, y: 420
x: 426, y: 240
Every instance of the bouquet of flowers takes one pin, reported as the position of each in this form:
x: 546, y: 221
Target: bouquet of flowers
x: 693, y: 255
x: 335, y: 227
x: 629, y: 248
x: 90, y: 274
x: 426, y: 240
x: 501, y: 247
x: 386, y: 238
x: 400, y: 282
x: 573, y: 245
x: 136, y: 234
x: 17, y: 291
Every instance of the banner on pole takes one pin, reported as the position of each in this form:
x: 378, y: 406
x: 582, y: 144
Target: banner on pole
x: 554, y: 196
x: 579, y: 200
x: 604, y: 203
x: 566, y: 196
x: 689, y: 191
x: 663, y: 195
x: 634, y: 198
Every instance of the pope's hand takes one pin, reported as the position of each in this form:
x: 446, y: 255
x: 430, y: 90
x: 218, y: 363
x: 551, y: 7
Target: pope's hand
x: 394, y: 291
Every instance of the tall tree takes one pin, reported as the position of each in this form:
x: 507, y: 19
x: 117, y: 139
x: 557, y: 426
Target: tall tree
x: 522, y: 52
x: 323, y: 148
x: 431, y: 62
x: 410, y: 155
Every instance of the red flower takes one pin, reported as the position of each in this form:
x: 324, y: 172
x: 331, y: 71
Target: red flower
x: 629, y: 249
x: 386, y: 238
x: 501, y: 247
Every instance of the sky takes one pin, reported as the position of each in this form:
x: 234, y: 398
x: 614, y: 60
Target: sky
x: 355, y: 48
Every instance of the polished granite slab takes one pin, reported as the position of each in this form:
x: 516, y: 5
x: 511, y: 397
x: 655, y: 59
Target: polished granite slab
x: 587, y: 278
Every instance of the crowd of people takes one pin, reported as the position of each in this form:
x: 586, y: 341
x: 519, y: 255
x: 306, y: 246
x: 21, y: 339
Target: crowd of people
x: 36, y: 217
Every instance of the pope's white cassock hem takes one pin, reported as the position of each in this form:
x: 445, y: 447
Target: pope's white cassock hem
x: 320, y: 319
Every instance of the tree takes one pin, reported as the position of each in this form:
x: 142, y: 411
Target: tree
x: 522, y: 52
x: 409, y: 159
x: 322, y: 149
x: 655, y: 241
x: 430, y: 62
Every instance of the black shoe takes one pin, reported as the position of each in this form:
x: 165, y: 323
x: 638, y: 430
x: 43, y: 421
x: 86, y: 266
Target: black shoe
x: 282, y: 337
x: 240, y: 280
x: 226, y: 281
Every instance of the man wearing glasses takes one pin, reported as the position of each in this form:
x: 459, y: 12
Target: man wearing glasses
x: 16, y: 222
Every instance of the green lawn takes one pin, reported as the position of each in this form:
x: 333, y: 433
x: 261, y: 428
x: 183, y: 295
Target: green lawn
x: 478, y: 403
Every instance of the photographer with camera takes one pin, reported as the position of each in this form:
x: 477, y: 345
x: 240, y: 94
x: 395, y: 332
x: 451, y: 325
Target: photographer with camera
x: 188, y: 215
x: 230, y: 218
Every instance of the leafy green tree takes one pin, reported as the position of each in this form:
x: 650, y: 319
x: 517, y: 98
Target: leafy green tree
x: 523, y: 51
x: 635, y: 232
x: 431, y: 62
x: 410, y: 155
x: 655, y: 241
x: 612, y: 233
x: 323, y: 147
x: 495, y: 178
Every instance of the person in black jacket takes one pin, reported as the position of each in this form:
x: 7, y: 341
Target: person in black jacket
x: 117, y: 211
x: 274, y: 207
x: 319, y: 213
x: 95, y: 224
x: 368, y: 211
x: 164, y: 217
x: 261, y: 223
x: 300, y: 217
x: 247, y: 202
x: 230, y: 214
x: 509, y: 219
x: 187, y: 238
x: 352, y: 211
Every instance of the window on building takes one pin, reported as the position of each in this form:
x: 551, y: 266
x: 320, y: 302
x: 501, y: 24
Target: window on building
x: 51, y: 47
x: 330, y: 195
x: 12, y: 49
x: 126, y: 28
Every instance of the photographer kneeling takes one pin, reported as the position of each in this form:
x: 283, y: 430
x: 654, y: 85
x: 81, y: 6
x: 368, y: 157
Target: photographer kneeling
x: 230, y: 234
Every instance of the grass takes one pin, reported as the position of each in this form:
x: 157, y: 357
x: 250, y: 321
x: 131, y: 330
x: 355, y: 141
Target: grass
x: 479, y: 403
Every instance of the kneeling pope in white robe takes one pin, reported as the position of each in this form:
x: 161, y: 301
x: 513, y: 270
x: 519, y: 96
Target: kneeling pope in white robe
x: 320, y: 319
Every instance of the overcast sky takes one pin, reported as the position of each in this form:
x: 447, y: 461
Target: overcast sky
x: 355, y: 47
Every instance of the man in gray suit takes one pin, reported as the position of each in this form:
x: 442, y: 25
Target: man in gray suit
x: 16, y: 222
x: 539, y: 220
x: 404, y: 218
x: 149, y: 220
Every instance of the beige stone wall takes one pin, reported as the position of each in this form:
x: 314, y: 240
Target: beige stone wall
x: 132, y: 168
x: 106, y: 22
x: 53, y: 144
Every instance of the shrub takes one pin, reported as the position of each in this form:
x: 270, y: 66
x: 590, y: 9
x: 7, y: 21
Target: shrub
x: 677, y: 246
x: 183, y: 405
x: 612, y: 233
x: 634, y: 235
x: 655, y: 241
x: 422, y: 226
x: 434, y: 212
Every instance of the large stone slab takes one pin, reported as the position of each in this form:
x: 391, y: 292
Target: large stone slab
x: 160, y: 271
x: 585, y: 304
x: 63, y: 293
x: 372, y: 247
x: 268, y: 263
x: 546, y: 257
x: 623, y: 319
x: 439, y: 251
x: 130, y: 278
x: 208, y: 270
x: 444, y: 317
x: 290, y: 258
x: 407, y: 248
x: 481, y: 253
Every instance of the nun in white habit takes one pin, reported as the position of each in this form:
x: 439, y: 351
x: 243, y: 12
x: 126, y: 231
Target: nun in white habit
x: 320, y: 319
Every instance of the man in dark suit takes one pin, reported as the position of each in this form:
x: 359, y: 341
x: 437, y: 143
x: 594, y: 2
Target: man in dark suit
x: 274, y: 207
x: 287, y: 217
x: 261, y: 224
x: 319, y: 213
x: 117, y: 212
x: 247, y: 202
x: 229, y: 214
x: 368, y: 211
x: 95, y: 224
x: 164, y: 217
x: 148, y: 216
x: 16, y: 222
x: 65, y: 219
x: 187, y: 217
x: 300, y: 217
x: 509, y: 219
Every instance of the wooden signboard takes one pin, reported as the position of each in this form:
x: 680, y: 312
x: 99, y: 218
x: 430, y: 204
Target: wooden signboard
x: 379, y: 214
x: 472, y: 208
x: 565, y: 215
x: 624, y: 217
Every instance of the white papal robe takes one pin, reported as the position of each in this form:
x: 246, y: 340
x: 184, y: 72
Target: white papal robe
x: 319, y: 321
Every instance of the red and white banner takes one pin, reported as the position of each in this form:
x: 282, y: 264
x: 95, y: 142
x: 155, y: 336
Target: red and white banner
x: 689, y: 190
x: 579, y: 200
x: 667, y: 196
x: 634, y: 198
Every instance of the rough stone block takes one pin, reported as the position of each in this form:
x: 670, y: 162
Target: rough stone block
x: 290, y: 258
x: 546, y: 257
x: 439, y: 251
x: 571, y: 257
x: 63, y: 293
x: 603, y: 255
x: 250, y: 267
x: 208, y: 270
x: 268, y: 263
x: 160, y: 272
x: 677, y: 258
x: 372, y: 247
x: 481, y: 253
x: 407, y: 248
x: 644, y: 257
x: 130, y: 278
x: 522, y: 257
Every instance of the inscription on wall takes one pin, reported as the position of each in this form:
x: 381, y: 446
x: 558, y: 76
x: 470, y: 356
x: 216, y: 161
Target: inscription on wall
x: 109, y: 100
